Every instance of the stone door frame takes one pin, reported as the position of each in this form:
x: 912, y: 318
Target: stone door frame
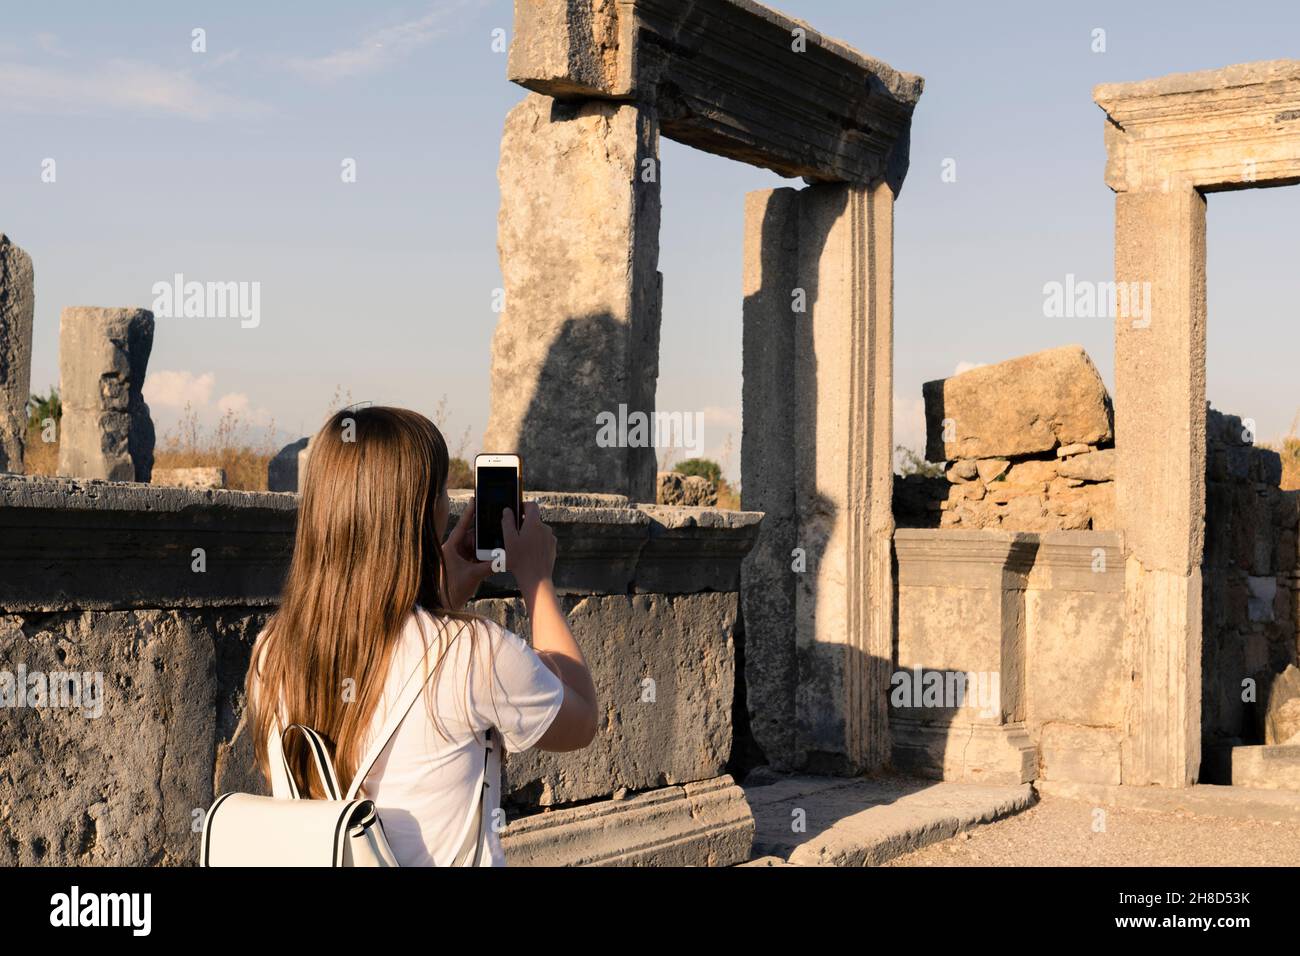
x: 1169, y: 143
x: 738, y: 79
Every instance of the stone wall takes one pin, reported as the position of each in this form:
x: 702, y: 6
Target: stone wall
x: 1004, y: 471
x: 104, y: 578
x: 1026, y: 445
x: 1072, y: 489
x: 1029, y: 628
x: 1248, y: 586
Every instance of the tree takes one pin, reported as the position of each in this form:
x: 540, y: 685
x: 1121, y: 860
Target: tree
x: 702, y: 467
x: 41, y: 407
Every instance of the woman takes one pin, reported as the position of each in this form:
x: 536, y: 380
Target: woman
x: 372, y: 598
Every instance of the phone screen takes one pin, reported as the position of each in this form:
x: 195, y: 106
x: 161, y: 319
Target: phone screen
x: 497, y: 488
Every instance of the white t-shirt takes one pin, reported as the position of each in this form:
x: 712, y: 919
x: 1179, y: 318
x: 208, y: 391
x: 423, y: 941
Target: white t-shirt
x: 425, y: 786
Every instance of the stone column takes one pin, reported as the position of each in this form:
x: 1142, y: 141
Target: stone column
x: 106, y: 430
x: 578, y: 236
x: 766, y: 462
x: 1160, y: 476
x: 844, y: 479
x: 17, y: 304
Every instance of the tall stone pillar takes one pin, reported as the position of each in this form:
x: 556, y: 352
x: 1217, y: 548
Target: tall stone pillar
x: 17, y: 305
x: 106, y: 430
x: 818, y: 406
x: 578, y: 237
x: 1160, y: 475
x: 766, y: 461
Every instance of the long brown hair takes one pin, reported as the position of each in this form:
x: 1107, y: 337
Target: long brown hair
x: 366, y: 552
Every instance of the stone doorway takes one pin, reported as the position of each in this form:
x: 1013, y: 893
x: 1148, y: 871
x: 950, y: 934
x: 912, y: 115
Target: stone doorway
x: 1171, y: 143
x: 578, y: 238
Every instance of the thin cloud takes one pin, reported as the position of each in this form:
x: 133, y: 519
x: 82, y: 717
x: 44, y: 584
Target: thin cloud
x: 116, y: 86
x: 49, y: 42
x: 379, y: 49
x: 177, y: 388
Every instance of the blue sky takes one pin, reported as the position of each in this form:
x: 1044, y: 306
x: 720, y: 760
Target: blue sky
x: 225, y: 166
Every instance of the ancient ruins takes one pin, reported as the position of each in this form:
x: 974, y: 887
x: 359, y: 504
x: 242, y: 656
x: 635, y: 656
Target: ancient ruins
x: 1097, y: 597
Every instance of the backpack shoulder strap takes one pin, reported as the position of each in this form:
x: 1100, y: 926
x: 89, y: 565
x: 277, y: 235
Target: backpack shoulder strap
x: 472, y: 849
x: 406, y: 699
x: 320, y: 755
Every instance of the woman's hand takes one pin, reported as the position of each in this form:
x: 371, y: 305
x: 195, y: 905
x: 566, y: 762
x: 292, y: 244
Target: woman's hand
x: 530, y: 550
x: 464, y: 571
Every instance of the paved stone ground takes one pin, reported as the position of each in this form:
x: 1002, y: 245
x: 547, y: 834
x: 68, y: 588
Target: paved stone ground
x: 1058, y: 831
x: 863, y: 822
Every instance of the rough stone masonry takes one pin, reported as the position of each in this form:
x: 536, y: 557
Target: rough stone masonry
x: 107, y: 432
x: 1027, y: 445
x: 17, y: 305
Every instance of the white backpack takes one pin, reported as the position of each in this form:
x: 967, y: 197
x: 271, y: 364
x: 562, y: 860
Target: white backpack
x: 244, y: 829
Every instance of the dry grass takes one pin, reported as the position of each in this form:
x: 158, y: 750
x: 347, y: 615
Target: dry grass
x: 236, y: 446
x: 1289, y: 449
x: 229, y: 446
x: 39, y: 457
x: 1290, y: 452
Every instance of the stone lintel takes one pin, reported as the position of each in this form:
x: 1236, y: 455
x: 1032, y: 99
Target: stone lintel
x: 1233, y: 128
x: 71, y: 543
x: 726, y: 77
x: 929, y: 557
x: 1079, y: 561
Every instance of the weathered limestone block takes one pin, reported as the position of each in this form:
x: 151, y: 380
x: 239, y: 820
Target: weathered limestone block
x: 578, y: 235
x: 1094, y: 466
x: 962, y: 470
x: 991, y: 469
x: 972, y: 584
x: 1080, y: 754
x: 664, y: 669
x: 1074, y: 619
x: 570, y: 49
x: 189, y: 477
x: 106, y: 429
x: 1078, y: 448
x: 17, y: 306
x: 688, y: 490
x: 1282, y: 721
x: 286, y: 468
x: 1031, y: 473
x: 745, y: 97
x: 130, y: 545
x: 708, y: 823
x: 1270, y: 767
x: 1027, y: 512
x: 1231, y: 127
x: 1018, y: 407
x: 118, y: 782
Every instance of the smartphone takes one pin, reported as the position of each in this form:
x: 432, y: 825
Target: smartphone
x: 498, y: 485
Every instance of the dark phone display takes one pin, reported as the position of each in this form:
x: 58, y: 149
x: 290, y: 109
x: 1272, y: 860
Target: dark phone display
x: 496, y: 489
